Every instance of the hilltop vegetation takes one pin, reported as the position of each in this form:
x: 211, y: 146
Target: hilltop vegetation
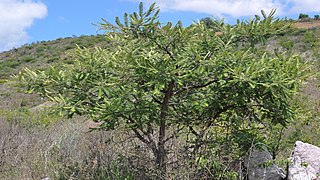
x: 37, y: 142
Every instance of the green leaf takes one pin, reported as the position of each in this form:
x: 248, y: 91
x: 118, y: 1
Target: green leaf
x: 151, y: 9
x: 126, y: 20
x: 100, y: 93
x: 118, y: 22
x: 141, y: 9
x: 264, y: 14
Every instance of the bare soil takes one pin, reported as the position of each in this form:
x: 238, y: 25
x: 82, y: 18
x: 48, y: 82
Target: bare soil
x: 307, y: 24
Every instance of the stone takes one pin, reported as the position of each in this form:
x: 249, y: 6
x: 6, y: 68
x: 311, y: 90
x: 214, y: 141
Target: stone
x: 304, y: 162
x: 260, y: 165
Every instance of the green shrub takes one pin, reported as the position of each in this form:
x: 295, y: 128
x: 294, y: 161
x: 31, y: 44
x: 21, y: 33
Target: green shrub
x: 286, y: 43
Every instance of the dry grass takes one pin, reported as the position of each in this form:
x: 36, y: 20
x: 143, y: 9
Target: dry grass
x: 67, y: 150
x: 62, y: 151
x: 35, y: 144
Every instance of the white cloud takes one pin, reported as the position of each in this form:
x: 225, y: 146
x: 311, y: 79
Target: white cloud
x: 305, y: 6
x: 15, y: 17
x: 238, y: 8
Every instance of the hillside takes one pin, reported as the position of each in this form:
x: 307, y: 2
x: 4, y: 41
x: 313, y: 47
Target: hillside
x: 42, y: 54
x: 36, y: 143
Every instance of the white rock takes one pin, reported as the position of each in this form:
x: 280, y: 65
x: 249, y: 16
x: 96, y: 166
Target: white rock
x: 260, y: 166
x: 304, y: 162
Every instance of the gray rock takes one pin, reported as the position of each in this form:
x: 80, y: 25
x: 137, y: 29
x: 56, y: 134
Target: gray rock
x: 260, y: 166
x: 304, y: 162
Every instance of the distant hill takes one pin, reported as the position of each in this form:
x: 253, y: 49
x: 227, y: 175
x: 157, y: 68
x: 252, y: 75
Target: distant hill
x: 41, y: 54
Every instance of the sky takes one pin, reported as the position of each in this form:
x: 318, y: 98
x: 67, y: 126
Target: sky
x: 27, y: 21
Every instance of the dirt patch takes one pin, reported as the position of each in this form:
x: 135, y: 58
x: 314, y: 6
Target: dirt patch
x: 306, y: 24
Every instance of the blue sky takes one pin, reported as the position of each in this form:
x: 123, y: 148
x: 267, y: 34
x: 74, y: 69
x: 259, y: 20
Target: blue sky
x: 76, y: 17
x: 27, y: 21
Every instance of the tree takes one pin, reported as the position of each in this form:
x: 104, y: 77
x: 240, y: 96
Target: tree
x: 207, y: 21
x: 210, y: 23
x: 303, y: 16
x: 160, y: 80
x: 317, y: 17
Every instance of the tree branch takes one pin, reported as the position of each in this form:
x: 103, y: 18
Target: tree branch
x: 135, y: 130
x: 193, y: 131
x: 195, y: 87
x: 165, y: 49
x: 139, y: 136
x: 156, y: 100
x: 174, y: 133
x: 150, y: 143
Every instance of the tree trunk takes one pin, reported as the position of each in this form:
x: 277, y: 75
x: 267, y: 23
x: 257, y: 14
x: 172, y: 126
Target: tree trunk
x: 161, y: 151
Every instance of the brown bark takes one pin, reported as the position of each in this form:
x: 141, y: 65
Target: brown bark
x: 161, y: 152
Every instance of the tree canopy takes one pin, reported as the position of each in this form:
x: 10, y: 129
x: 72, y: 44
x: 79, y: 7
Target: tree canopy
x: 162, y: 79
x: 304, y: 16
